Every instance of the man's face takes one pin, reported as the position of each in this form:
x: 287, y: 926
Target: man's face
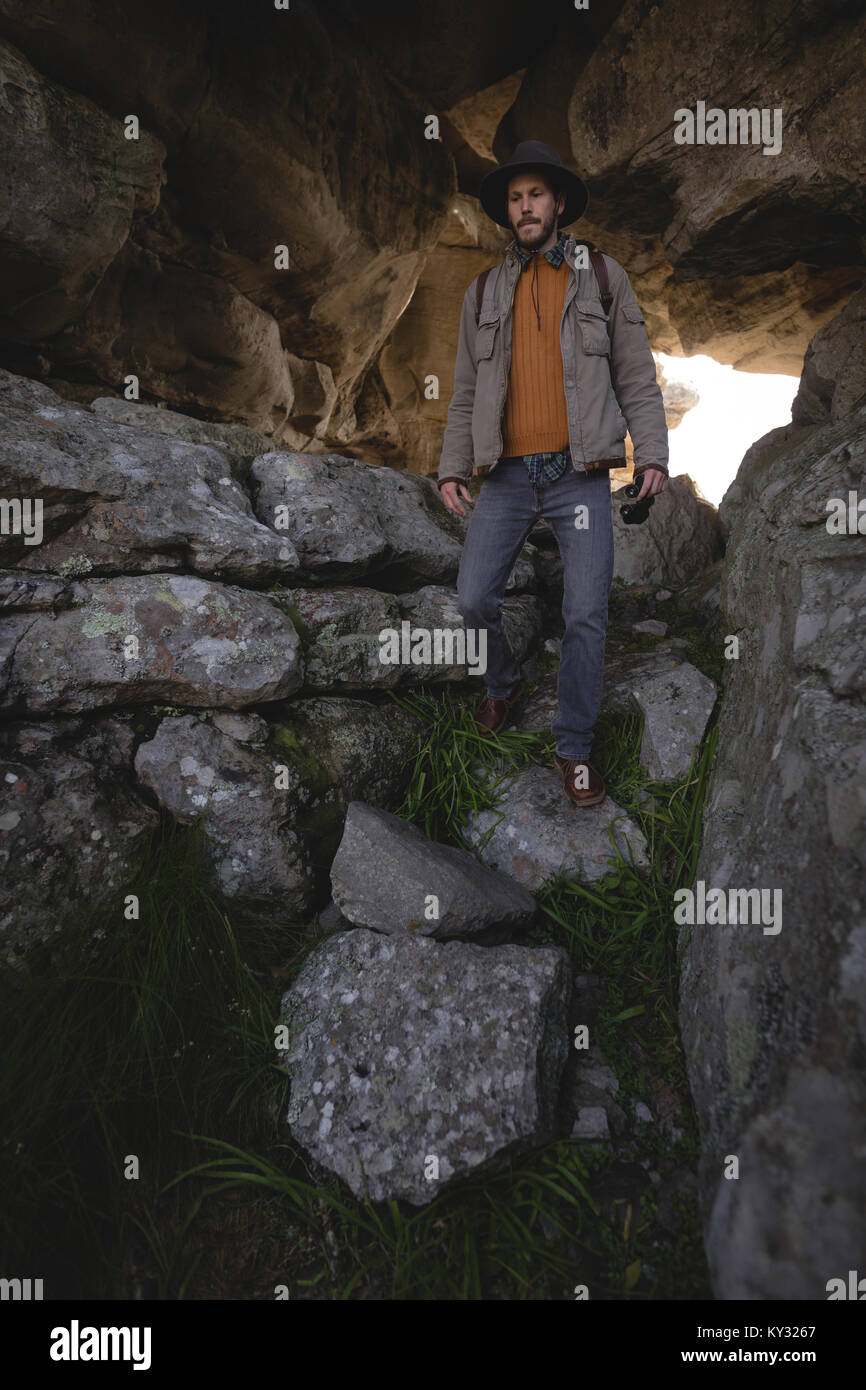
x: 532, y: 210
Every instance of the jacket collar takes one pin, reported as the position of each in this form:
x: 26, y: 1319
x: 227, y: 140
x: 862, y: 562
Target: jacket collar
x: 554, y: 255
x: 565, y: 243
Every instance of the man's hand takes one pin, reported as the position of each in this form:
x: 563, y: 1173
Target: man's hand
x: 652, y: 480
x: 448, y: 493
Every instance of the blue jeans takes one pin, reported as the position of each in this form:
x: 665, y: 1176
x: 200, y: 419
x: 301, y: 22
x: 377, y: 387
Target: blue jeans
x: 504, y: 513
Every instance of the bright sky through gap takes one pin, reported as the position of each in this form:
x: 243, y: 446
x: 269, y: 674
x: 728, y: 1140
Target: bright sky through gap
x: 735, y: 409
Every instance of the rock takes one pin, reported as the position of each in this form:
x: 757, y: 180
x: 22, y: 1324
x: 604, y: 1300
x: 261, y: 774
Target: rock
x: 399, y: 422
x: 259, y: 859
x: 360, y: 750
x: 627, y: 672
x: 168, y: 638
x: 386, y: 872
x: 652, y: 626
x: 71, y: 827
x: 201, y: 343
x: 624, y: 672
x: 124, y: 500
x: 674, y: 645
x: 245, y: 728
x: 704, y: 593
x: 196, y: 302
x: 29, y: 593
x: 591, y: 1123
x: 541, y: 833
x: 72, y: 186
x: 348, y: 519
x: 360, y: 639
x: 774, y: 1025
x: 409, y: 1056
x: 537, y: 712
x: 597, y: 1074
x: 588, y: 1108
x: 436, y: 607
x: 273, y: 796
x: 239, y: 439
x: 613, y: 124
x: 662, y: 595
x: 331, y: 919
x: 676, y: 707
x: 679, y: 539
x: 340, y: 631
x: 834, y: 369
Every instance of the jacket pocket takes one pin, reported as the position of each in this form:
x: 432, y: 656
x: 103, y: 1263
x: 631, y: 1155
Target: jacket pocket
x: 593, y: 326
x: 485, y: 340
x: 633, y: 313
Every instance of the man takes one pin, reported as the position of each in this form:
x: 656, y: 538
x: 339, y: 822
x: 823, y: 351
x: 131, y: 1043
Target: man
x: 545, y: 387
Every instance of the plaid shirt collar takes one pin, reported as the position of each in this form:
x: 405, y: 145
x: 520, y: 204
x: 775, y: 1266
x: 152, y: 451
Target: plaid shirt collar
x: 554, y: 255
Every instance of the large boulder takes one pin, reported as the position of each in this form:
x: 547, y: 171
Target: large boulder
x: 165, y: 637
x: 121, y: 498
x: 773, y: 1009
x: 417, y: 1062
x: 348, y: 519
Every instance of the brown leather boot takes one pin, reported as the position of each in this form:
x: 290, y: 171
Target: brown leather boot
x: 581, y: 783
x: 491, y: 715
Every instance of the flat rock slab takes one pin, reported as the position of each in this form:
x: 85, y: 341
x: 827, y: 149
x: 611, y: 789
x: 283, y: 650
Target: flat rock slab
x: 347, y: 519
x: 388, y: 876
x: 416, y: 1062
x: 240, y: 439
x: 121, y: 498
x: 676, y: 706
x: 626, y: 673
x: 537, y: 832
x: 166, y: 638
x: 360, y: 639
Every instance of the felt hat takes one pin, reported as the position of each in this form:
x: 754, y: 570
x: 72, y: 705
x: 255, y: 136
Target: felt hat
x: 532, y: 156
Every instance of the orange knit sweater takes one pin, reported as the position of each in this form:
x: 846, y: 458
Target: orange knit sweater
x: 535, y: 417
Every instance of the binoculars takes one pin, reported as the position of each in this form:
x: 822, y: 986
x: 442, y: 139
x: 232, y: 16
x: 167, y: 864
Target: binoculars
x: 636, y: 512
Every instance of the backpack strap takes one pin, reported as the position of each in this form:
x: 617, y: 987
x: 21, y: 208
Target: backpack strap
x: 600, y: 269
x: 479, y: 293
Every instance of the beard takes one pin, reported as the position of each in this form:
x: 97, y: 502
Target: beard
x: 536, y: 233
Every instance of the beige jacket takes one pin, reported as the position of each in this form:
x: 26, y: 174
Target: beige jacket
x: 608, y: 372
